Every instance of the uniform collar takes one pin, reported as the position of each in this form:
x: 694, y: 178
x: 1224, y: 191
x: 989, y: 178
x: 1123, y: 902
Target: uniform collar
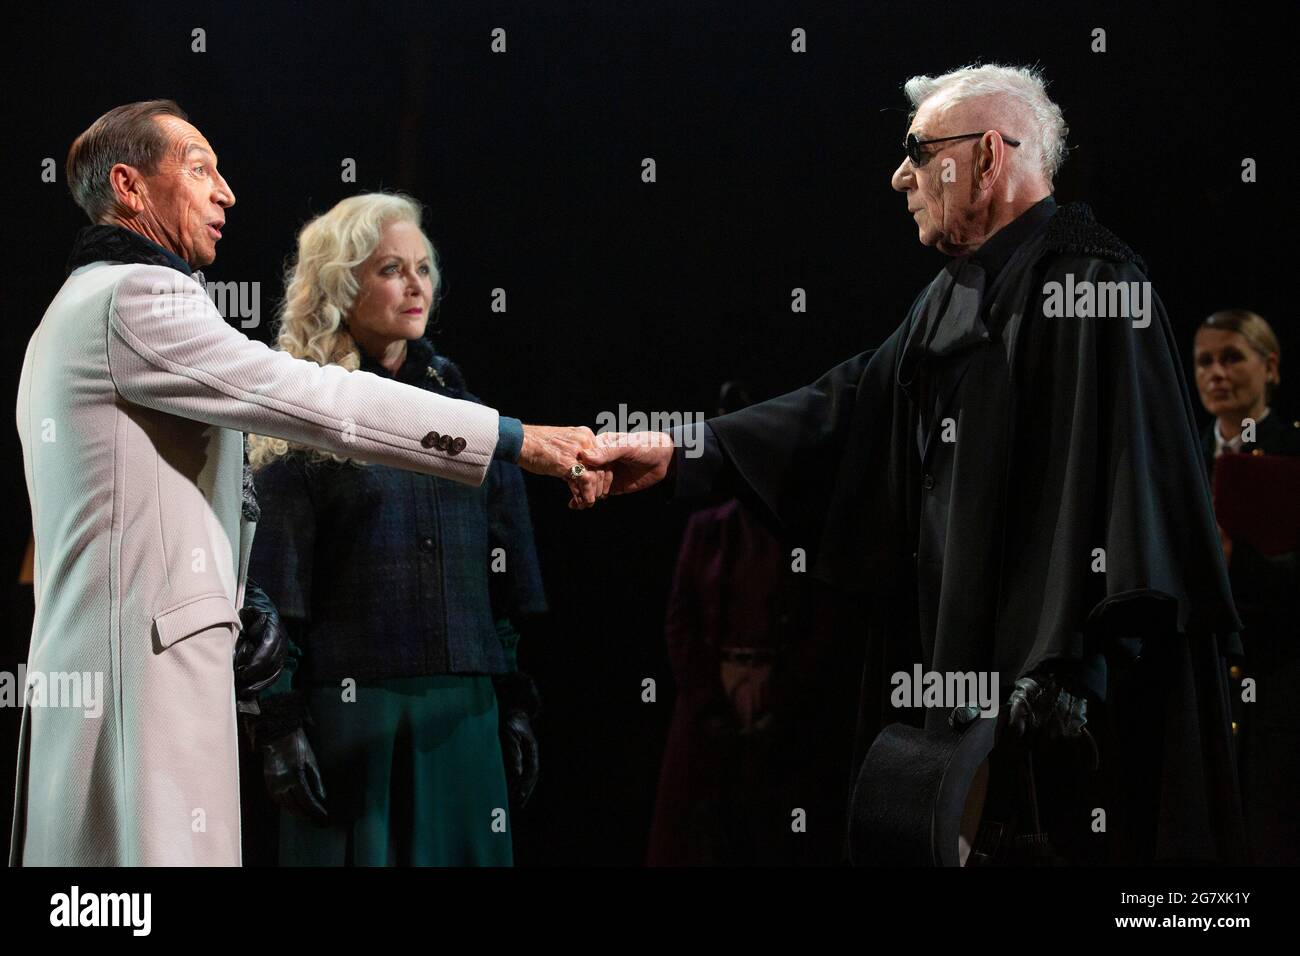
x: 1222, y: 444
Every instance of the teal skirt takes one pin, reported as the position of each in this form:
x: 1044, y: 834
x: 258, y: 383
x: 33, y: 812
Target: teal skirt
x: 413, y: 776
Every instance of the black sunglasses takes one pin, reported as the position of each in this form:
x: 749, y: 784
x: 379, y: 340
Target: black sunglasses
x: 920, y: 158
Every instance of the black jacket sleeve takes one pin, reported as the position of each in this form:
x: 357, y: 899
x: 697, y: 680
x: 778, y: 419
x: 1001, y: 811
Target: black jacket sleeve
x: 783, y: 454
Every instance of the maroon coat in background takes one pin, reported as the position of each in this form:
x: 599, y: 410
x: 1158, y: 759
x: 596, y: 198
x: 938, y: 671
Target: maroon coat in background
x: 727, y: 797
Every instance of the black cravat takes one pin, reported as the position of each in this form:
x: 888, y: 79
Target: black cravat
x: 949, y: 322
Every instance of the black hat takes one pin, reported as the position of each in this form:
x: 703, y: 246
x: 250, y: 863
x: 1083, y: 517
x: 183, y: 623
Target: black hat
x: 911, y: 793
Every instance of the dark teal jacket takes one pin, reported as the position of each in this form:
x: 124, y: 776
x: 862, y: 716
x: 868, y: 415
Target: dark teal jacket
x: 386, y: 573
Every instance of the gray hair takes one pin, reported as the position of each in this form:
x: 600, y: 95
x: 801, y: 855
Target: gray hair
x: 126, y: 134
x: 1023, y: 83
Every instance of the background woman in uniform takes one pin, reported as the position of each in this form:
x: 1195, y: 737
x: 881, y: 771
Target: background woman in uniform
x: 1238, y: 371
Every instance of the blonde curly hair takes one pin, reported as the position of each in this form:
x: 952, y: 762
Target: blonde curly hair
x: 320, y: 288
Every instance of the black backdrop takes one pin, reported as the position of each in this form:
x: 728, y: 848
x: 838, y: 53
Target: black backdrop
x: 773, y: 173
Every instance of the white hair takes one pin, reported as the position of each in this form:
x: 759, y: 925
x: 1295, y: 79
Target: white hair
x: 1024, y: 83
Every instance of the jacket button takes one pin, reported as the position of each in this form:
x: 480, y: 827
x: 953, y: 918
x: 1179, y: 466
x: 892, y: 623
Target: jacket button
x: 429, y: 440
x: 458, y: 446
x: 444, y: 442
x: 426, y: 544
x: 928, y: 483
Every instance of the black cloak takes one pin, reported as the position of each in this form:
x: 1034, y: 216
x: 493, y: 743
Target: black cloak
x: 977, y: 554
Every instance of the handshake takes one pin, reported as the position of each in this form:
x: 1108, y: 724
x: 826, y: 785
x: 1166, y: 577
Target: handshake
x: 596, y: 466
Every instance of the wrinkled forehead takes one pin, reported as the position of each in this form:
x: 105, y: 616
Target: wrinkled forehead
x: 936, y: 114
x: 401, y: 239
x: 184, y: 138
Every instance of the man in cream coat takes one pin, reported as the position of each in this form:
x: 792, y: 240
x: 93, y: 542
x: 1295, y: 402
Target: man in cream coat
x: 132, y: 404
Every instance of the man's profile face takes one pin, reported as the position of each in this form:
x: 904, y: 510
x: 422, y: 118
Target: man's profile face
x: 186, y: 198
x: 940, y: 208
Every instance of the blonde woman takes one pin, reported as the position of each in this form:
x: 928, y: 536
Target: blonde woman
x: 1238, y: 371
x: 385, y: 744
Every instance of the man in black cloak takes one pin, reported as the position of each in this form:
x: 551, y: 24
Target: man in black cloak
x: 1013, y: 480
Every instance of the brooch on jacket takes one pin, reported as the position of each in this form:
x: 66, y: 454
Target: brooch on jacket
x: 248, y: 506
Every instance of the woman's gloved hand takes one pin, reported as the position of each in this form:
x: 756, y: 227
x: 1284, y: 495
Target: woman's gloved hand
x: 262, y: 646
x: 518, y: 702
x: 292, y: 776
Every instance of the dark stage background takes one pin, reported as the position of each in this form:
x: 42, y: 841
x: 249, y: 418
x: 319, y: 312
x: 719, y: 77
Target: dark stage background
x: 773, y: 173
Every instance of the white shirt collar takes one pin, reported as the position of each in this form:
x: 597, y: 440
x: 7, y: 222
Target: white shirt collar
x: 1222, y: 444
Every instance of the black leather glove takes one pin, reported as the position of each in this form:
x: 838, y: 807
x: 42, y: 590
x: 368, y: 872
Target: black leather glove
x: 517, y: 703
x: 1040, y: 707
x: 262, y: 646
x: 1040, y: 704
x: 293, y: 777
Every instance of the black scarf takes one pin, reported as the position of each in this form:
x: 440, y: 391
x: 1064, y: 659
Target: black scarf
x: 116, y: 244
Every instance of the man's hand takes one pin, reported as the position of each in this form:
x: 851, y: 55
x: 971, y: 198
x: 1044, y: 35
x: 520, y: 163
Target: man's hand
x: 1041, y: 708
x: 636, y: 460
x: 1039, y: 704
x: 553, y: 451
